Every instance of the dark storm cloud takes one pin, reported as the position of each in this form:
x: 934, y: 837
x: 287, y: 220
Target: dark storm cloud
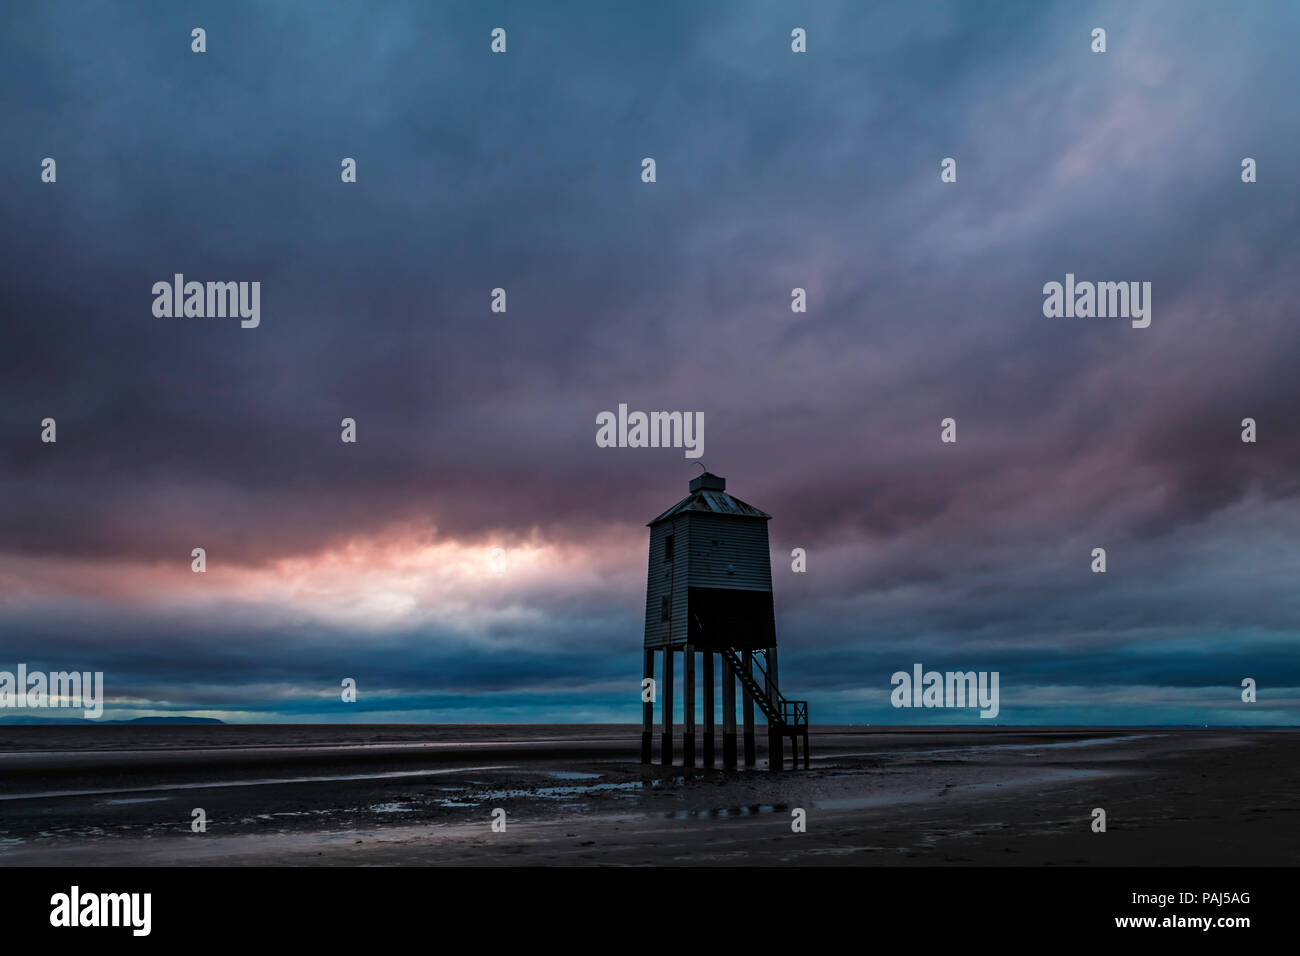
x: 774, y: 171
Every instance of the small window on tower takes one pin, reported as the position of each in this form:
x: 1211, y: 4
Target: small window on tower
x: 665, y: 606
x: 668, y: 551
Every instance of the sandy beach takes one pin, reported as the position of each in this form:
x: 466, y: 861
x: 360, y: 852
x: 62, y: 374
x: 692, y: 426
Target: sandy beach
x: 575, y: 795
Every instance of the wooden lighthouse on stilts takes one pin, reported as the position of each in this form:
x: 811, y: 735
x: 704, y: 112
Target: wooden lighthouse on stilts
x: 709, y: 595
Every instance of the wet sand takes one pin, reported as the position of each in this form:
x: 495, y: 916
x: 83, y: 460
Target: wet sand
x: 416, y: 795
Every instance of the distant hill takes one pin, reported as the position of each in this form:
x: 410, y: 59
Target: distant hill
x: 85, y: 721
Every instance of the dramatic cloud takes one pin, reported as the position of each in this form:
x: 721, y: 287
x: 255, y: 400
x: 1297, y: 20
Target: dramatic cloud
x: 476, y: 429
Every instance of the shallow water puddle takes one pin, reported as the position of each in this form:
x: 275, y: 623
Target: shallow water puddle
x: 392, y: 808
x: 125, y: 800
x: 720, y: 812
x: 258, y: 782
x: 913, y: 796
x: 573, y: 775
x: 981, y: 748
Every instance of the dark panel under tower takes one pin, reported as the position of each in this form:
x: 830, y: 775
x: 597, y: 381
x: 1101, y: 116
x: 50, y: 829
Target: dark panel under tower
x: 722, y: 618
x: 709, y: 591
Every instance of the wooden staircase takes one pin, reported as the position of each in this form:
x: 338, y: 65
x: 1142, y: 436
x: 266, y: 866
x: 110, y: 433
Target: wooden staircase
x: 785, y: 718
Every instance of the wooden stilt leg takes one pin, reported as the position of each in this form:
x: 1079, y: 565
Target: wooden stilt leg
x: 666, y: 740
x: 728, y: 715
x: 710, y: 727
x: 647, y: 710
x: 688, y: 701
x: 751, y: 756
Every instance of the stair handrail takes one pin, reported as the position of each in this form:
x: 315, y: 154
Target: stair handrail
x: 769, y: 690
x: 778, y: 701
x: 769, y: 687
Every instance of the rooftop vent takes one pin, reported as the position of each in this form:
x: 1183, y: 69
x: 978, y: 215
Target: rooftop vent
x: 708, y: 482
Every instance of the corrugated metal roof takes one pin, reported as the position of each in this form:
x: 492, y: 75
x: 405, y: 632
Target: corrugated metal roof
x: 712, y: 502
